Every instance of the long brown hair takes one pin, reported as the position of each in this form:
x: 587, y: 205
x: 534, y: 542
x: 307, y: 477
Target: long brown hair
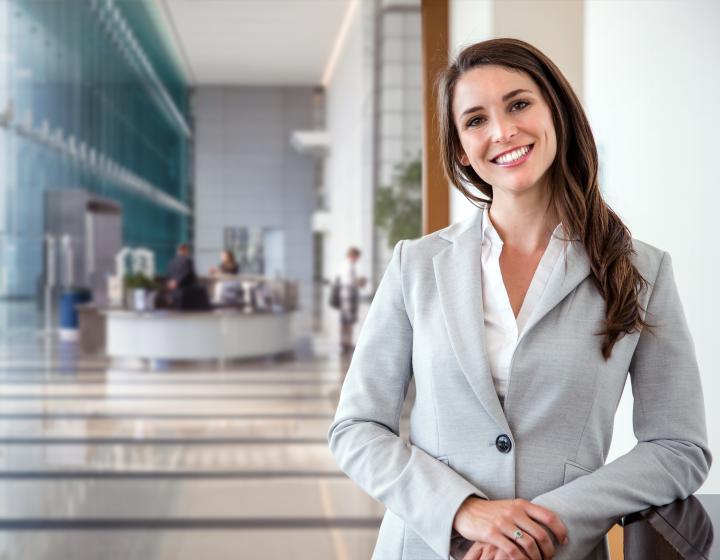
x: 573, y: 178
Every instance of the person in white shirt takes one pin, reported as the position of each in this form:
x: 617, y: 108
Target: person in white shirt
x: 349, y: 282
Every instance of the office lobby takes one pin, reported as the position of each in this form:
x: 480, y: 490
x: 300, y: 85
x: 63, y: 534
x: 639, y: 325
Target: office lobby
x: 188, y: 187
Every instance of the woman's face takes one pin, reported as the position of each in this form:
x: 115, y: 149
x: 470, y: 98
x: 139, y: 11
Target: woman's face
x: 505, y: 128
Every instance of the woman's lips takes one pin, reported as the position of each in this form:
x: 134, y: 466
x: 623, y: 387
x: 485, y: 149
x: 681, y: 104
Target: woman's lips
x: 522, y: 159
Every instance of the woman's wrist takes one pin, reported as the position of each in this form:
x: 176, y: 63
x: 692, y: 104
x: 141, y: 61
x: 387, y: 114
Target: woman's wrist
x: 463, y: 511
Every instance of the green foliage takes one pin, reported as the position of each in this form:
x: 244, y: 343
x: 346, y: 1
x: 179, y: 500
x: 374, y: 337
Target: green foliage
x: 138, y: 281
x: 398, y: 206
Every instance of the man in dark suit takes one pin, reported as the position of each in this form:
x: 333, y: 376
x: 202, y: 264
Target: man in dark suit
x: 181, y: 276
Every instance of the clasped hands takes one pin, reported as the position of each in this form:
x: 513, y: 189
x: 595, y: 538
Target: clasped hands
x: 508, y: 529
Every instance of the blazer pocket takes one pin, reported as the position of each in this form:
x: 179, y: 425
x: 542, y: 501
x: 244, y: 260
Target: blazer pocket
x: 574, y: 470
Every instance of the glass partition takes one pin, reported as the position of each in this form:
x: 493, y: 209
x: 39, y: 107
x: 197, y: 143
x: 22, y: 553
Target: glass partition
x: 90, y: 98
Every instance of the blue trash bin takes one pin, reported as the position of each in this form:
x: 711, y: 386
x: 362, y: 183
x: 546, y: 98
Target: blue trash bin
x: 68, y: 314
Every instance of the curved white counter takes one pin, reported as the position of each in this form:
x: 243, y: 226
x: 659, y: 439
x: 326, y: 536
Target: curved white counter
x: 197, y: 335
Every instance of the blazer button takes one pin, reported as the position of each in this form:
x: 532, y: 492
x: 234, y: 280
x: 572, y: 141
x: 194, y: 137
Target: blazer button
x: 503, y: 443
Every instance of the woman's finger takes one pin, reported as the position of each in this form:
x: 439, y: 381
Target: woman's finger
x: 489, y: 553
x: 506, y: 545
x: 481, y: 551
x: 523, y: 540
x: 496, y: 554
x: 548, y: 518
x: 475, y: 552
x: 539, y: 534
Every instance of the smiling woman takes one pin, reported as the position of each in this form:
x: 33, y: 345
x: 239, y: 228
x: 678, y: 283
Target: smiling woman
x: 519, y: 327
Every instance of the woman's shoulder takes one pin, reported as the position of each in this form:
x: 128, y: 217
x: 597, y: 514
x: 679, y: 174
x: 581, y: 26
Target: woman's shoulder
x: 647, y: 258
x: 432, y: 243
x: 423, y: 248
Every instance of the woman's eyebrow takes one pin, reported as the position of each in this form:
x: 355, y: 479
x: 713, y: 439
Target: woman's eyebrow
x: 505, y: 97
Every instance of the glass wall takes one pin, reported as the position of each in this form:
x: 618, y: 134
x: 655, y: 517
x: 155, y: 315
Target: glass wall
x: 91, y: 99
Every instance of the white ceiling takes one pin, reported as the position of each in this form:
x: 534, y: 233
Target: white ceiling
x: 255, y: 42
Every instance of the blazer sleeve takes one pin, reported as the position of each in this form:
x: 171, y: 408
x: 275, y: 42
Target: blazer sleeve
x: 671, y: 459
x: 364, y: 437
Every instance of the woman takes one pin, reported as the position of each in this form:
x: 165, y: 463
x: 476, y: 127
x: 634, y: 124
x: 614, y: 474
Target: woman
x: 520, y: 326
x: 226, y: 290
x: 228, y: 264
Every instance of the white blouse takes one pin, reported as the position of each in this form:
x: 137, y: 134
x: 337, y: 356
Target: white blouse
x: 502, y: 329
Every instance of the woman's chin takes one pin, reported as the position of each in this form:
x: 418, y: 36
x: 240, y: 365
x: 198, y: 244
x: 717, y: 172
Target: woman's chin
x: 516, y: 187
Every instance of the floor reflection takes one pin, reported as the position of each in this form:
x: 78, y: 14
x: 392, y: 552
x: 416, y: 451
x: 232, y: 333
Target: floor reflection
x: 176, y: 462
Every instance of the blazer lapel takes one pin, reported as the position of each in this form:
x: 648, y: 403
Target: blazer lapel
x: 561, y: 283
x: 458, y: 275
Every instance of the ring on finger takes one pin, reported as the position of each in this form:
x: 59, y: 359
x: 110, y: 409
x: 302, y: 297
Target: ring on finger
x: 517, y: 534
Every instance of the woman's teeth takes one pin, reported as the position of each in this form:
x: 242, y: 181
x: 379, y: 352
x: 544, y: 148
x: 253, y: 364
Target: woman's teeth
x: 512, y: 156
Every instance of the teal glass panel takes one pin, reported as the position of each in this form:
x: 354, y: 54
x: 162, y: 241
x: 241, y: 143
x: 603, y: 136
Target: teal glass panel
x: 91, y: 97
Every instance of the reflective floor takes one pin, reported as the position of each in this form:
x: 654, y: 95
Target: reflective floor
x: 102, y: 462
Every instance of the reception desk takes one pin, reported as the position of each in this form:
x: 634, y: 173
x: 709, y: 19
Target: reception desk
x: 221, y: 334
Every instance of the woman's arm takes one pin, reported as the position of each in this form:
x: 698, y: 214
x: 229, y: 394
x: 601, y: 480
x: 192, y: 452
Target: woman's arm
x: 418, y: 488
x: 671, y: 459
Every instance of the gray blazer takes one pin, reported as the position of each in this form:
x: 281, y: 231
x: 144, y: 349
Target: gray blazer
x: 426, y: 322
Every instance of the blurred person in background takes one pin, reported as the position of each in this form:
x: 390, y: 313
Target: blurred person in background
x: 228, y: 264
x: 227, y: 290
x: 185, y: 292
x: 181, y: 270
x: 346, y: 297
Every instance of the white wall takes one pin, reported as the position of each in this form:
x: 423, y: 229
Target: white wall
x: 649, y: 100
x: 248, y: 174
x: 649, y: 90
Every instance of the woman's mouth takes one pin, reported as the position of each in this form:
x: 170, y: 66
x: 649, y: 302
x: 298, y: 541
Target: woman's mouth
x: 514, y: 158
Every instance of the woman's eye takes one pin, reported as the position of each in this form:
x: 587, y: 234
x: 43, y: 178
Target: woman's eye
x: 522, y: 103
x: 475, y: 121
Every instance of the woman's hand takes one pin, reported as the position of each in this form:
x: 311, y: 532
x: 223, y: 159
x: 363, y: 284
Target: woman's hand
x: 485, y: 551
x: 494, y: 522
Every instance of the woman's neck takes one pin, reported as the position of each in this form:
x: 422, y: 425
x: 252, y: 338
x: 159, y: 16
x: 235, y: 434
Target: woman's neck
x: 524, y: 223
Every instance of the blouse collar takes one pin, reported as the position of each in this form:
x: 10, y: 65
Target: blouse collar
x: 491, y: 236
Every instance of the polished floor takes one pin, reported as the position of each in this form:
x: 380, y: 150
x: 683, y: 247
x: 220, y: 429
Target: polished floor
x: 167, y: 463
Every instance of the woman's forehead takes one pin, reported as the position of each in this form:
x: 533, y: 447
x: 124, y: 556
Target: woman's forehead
x: 488, y: 84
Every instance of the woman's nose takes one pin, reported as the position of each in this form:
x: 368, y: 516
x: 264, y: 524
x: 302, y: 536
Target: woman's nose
x: 503, y: 130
